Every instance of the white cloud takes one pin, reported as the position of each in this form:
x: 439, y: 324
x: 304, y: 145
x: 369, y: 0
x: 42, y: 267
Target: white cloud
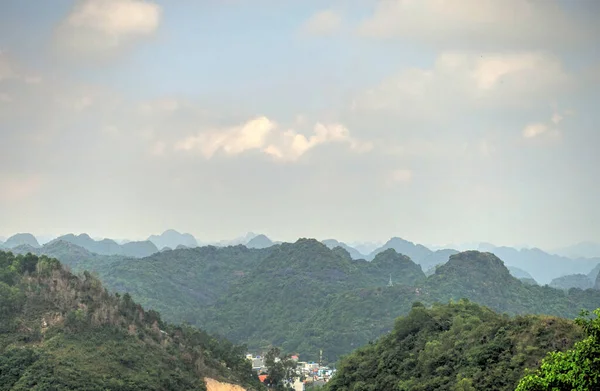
x: 232, y: 141
x: 160, y: 106
x: 6, y: 67
x: 11, y: 69
x: 323, y: 23
x: 556, y: 118
x: 17, y: 188
x: 402, y: 175
x: 534, y: 130
x: 5, y: 98
x: 468, y: 80
x: 537, y: 129
x: 265, y: 135
x: 107, y: 25
x: 477, y: 23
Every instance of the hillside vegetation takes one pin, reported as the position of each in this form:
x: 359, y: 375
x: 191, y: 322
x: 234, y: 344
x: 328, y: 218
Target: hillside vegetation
x: 305, y: 297
x: 458, y: 346
x: 59, y: 331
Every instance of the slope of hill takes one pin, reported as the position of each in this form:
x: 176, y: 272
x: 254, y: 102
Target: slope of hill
x: 594, y: 272
x: 304, y: 296
x: 354, y: 253
x: 171, y: 238
x: 438, y: 257
x: 21, y: 239
x: 59, y: 331
x: 110, y: 247
x: 579, y: 281
x: 180, y: 283
x: 460, y: 346
x: 519, y: 273
x: 260, y: 241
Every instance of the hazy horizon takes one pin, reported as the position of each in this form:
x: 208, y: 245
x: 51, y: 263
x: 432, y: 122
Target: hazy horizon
x: 352, y: 120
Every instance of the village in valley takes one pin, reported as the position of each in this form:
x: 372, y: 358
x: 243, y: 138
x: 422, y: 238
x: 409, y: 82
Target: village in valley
x: 309, y: 373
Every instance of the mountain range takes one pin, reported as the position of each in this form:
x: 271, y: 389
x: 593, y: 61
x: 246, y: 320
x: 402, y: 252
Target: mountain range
x: 304, y: 296
x: 171, y: 238
x: 109, y: 246
x: 533, y: 264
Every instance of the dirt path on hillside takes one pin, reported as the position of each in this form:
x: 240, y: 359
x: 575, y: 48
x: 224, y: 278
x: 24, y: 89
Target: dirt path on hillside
x: 213, y: 385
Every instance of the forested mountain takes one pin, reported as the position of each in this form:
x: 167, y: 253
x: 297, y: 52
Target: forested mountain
x: 260, y: 241
x: 579, y: 281
x: 21, y: 239
x: 304, y: 296
x: 354, y: 253
x: 171, y: 238
x: 109, y: 246
x: 180, y: 283
x: 59, y: 331
x: 416, y: 252
x: 69, y: 254
x: 460, y: 346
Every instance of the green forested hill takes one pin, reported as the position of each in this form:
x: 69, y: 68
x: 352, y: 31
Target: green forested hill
x: 305, y: 297
x: 63, y: 332
x: 274, y: 303
x: 459, y: 346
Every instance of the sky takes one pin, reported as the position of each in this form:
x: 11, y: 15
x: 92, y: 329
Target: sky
x: 436, y: 121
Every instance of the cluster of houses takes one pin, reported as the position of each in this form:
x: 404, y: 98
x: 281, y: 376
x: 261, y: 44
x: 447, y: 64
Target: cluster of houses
x: 311, y: 373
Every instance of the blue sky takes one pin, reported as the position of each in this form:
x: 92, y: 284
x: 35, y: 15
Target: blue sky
x: 358, y: 120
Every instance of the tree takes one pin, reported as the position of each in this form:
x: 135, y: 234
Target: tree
x: 281, y: 369
x: 576, y: 369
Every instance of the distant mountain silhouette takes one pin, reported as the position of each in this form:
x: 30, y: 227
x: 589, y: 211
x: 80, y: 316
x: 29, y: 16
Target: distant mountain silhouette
x: 260, y: 241
x: 567, y: 282
x: 244, y: 240
x: 110, y: 247
x: 20, y: 239
x: 69, y: 254
x: 171, y: 238
x: 580, y: 250
x: 519, y: 273
x: 543, y: 266
x: 138, y: 249
x: 354, y: 253
x: 416, y: 252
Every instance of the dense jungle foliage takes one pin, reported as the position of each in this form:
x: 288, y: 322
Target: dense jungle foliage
x: 304, y: 297
x: 457, y: 346
x: 59, y: 331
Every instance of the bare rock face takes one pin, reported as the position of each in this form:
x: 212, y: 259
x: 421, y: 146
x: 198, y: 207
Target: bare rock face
x: 214, y: 385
